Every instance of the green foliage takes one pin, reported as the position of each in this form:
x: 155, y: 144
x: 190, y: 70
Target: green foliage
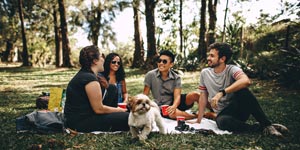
x: 191, y: 63
x: 20, y: 87
x: 41, y: 54
x: 125, y: 50
x: 274, y: 59
x: 233, y: 34
x: 8, y: 23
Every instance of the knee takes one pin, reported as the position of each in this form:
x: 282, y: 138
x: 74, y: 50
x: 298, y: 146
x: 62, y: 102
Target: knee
x: 223, y: 122
x: 193, y: 96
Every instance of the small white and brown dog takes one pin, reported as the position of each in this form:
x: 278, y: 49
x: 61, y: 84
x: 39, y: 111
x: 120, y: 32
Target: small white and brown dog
x: 144, y: 113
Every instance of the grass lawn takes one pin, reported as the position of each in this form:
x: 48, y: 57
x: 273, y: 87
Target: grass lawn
x: 19, y: 88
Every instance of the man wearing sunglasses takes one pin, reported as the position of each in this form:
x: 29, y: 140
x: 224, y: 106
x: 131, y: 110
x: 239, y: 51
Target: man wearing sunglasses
x: 165, y: 86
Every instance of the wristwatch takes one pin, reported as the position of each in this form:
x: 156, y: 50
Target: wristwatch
x: 223, y: 92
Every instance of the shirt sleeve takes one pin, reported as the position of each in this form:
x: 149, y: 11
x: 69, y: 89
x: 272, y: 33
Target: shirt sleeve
x: 87, y: 78
x: 202, y: 86
x: 147, y: 80
x: 178, y: 83
x: 236, y: 72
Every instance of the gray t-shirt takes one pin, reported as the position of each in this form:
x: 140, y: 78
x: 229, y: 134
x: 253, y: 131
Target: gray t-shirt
x: 212, y: 82
x: 162, y: 90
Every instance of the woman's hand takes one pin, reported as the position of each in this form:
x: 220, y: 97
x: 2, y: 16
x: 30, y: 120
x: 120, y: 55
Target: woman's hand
x: 121, y: 109
x: 103, y: 82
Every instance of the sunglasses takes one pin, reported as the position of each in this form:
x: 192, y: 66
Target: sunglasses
x: 116, y: 62
x: 164, y: 61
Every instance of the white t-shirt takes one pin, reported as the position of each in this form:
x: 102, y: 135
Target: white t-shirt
x: 212, y: 83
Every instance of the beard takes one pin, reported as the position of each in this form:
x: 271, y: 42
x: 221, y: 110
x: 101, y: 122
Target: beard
x: 213, y: 65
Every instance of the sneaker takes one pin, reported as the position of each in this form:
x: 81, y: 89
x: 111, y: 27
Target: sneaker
x: 281, y: 128
x: 270, y: 130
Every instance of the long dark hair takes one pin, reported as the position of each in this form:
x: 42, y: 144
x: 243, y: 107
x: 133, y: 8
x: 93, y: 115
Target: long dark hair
x: 120, y: 74
x: 87, y: 56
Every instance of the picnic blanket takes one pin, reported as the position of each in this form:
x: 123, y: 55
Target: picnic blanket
x: 206, y: 124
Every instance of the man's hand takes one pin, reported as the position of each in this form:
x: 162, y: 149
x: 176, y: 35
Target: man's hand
x: 215, y: 100
x: 171, y: 109
x: 193, y: 121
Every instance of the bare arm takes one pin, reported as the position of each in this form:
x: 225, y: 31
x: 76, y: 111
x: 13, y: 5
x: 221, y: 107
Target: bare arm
x: 203, y: 100
x: 124, y: 91
x: 94, y: 94
x: 146, y: 90
x: 176, y: 101
x: 241, y: 82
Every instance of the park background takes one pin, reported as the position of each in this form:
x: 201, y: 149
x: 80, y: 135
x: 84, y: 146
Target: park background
x: 40, y: 41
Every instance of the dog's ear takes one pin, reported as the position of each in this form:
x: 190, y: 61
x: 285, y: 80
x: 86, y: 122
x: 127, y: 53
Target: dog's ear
x: 130, y: 102
x: 152, y: 103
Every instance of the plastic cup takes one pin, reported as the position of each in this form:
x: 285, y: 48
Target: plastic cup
x: 164, y: 110
x: 180, y: 118
x: 122, y: 105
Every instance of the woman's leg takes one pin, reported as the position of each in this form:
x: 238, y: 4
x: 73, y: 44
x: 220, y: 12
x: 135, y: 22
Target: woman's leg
x: 107, y: 122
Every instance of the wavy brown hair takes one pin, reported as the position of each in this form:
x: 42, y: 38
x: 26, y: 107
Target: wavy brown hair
x: 87, y: 55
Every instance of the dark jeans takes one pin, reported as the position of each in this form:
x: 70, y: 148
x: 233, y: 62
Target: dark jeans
x: 117, y: 121
x: 234, y: 116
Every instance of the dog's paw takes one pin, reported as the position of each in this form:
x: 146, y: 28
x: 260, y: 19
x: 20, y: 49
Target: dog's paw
x: 162, y: 131
x: 148, y: 144
x: 142, y: 137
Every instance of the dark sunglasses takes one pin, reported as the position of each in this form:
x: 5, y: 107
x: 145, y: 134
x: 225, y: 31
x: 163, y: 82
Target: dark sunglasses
x: 116, y: 62
x: 164, y: 61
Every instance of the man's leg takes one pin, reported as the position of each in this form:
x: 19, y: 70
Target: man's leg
x: 243, y: 104
x: 191, y: 98
x: 233, y: 117
x: 249, y: 103
x: 186, y: 102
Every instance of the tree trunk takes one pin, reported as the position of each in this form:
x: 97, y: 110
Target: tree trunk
x: 287, y: 35
x: 202, y: 43
x: 64, y: 32
x: 138, y: 56
x: 180, y: 26
x: 150, y: 23
x: 94, y: 21
x: 224, y: 26
x: 25, y: 51
x: 58, y: 50
x: 242, y: 42
x: 212, y: 10
x: 8, y: 49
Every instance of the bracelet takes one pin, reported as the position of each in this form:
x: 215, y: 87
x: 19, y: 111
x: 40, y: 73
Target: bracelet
x: 223, y: 92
